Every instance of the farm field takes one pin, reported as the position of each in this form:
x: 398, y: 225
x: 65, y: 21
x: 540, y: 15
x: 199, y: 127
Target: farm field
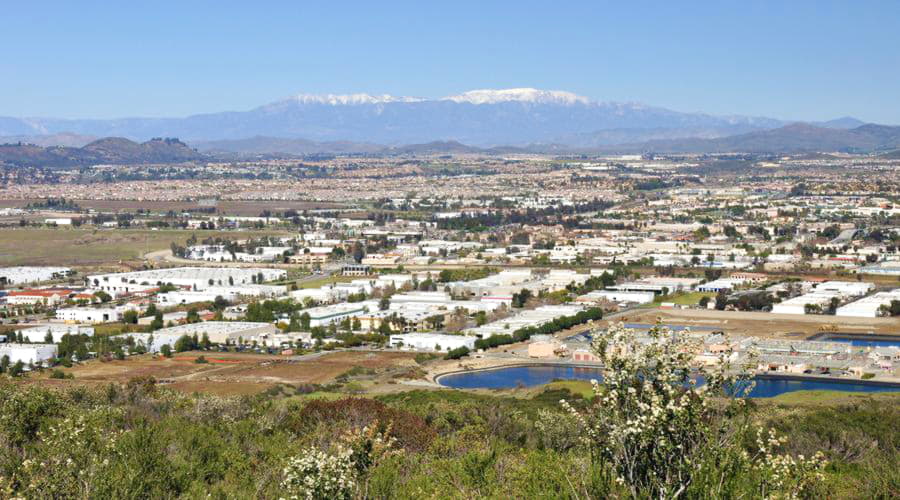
x: 91, y: 247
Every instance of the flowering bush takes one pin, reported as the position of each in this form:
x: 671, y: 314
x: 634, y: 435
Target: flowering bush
x: 317, y: 474
x: 662, y: 433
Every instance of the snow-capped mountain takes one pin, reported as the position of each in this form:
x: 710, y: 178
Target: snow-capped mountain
x: 351, y: 99
x: 478, y: 117
x: 487, y: 96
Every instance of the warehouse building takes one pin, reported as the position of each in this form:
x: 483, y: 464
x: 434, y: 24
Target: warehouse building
x: 29, y: 354
x: 27, y: 274
x: 220, y: 332
x: 38, y: 333
x: 869, y: 307
x: 434, y: 342
x: 192, y: 278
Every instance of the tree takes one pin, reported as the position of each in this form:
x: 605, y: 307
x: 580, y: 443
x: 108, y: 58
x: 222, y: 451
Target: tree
x: 358, y: 252
x: 304, y: 321
x: 4, y: 363
x: 193, y: 316
x: 16, y: 369
x: 219, y: 303
x: 48, y: 338
x: 384, y: 304
x: 157, y: 322
x: 457, y: 353
x: 166, y: 350
x: 130, y: 316
x: 184, y: 343
x: 102, y: 296
x: 721, y: 299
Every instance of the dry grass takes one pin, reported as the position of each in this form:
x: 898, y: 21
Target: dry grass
x: 90, y: 247
x: 227, y: 374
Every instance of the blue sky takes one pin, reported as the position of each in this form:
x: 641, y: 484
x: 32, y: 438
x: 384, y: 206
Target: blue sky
x: 808, y: 60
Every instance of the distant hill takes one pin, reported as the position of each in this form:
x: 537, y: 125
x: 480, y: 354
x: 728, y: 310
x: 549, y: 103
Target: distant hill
x: 892, y: 155
x: 110, y: 150
x: 435, y: 147
x: 260, y: 145
x: 65, y: 139
x: 793, y: 138
x: 846, y: 122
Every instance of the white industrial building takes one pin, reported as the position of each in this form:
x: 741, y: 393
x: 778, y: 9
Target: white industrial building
x: 220, y: 332
x: 616, y: 296
x: 91, y: 315
x: 193, y: 278
x: 28, y: 353
x: 209, y: 294
x: 529, y: 317
x: 25, y: 275
x: 868, y: 307
x: 822, y: 295
x: 432, y: 342
x: 326, y: 315
x: 720, y: 284
x: 38, y: 333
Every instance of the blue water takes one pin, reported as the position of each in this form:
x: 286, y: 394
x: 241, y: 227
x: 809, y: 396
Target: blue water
x: 528, y: 376
x: 866, y: 343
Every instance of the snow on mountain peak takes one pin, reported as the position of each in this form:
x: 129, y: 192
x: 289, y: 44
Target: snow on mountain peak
x: 351, y: 99
x: 489, y: 96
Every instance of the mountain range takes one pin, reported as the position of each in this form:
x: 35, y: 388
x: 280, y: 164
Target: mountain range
x: 487, y: 121
x: 480, y: 117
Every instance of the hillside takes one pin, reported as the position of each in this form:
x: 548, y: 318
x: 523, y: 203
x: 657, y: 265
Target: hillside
x: 110, y: 150
x: 794, y: 138
x: 259, y: 145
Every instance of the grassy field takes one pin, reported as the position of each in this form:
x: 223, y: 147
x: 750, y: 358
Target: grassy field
x: 684, y: 299
x: 87, y: 247
x: 327, y: 280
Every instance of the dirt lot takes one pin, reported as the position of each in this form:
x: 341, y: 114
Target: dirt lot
x: 764, y: 324
x: 89, y: 247
x: 228, y: 373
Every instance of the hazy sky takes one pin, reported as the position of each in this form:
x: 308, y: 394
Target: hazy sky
x: 786, y: 59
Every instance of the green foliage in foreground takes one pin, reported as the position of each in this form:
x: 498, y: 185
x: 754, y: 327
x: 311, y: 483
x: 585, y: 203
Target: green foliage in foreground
x: 142, y: 441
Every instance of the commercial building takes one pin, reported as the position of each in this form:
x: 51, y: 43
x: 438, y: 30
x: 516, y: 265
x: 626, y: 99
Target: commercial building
x: 431, y: 342
x: 192, y: 278
x: 220, y: 332
x: 869, y: 307
x: 26, y: 275
x: 28, y: 354
x: 38, y: 333
x: 326, y: 315
x: 617, y: 297
x: 91, y: 315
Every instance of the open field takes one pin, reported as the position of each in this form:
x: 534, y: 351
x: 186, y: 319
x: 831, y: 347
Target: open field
x: 762, y: 324
x: 88, y: 247
x: 223, y: 207
x: 231, y: 373
x: 327, y: 280
x: 685, y: 299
